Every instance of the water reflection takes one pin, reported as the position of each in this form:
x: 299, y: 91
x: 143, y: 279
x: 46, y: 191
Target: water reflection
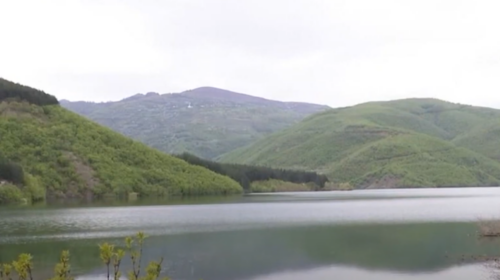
x: 350, y: 273
x: 351, y: 235
x: 400, y: 249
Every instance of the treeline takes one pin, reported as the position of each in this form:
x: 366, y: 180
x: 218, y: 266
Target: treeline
x: 10, y: 90
x: 10, y: 171
x: 246, y: 174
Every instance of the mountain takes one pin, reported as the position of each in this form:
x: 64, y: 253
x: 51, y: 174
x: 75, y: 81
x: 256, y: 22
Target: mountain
x: 206, y: 122
x: 402, y: 143
x: 48, y: 150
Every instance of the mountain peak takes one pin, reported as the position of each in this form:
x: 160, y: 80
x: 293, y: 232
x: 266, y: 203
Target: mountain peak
x: 152, y: 94
x: 222, y: 94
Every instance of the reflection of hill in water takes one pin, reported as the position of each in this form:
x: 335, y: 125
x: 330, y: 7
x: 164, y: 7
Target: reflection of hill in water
x: 407, y: 248
x: 244, y: 254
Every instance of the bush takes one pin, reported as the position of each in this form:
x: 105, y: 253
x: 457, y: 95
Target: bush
x: 10, y: 194
x: 33, y: 189
x: 10, y: 171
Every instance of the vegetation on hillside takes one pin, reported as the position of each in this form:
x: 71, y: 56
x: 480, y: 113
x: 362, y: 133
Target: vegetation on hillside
x: 404, y: 143
x: 331, y: 186
x: 207, y: 122
x: 10, y: 171
x: 10, y: 193
x: 14, y: 91
x: 70, y: 156
x: 246, y: 175
x: 273, y: 185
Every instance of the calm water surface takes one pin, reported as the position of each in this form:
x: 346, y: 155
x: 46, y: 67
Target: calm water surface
x: 372, y: 234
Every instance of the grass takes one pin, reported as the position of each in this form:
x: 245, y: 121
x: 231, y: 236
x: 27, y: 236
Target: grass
x: 403, y: 143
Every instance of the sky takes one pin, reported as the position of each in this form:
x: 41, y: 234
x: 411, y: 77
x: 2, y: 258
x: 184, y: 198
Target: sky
x: 332, y: 52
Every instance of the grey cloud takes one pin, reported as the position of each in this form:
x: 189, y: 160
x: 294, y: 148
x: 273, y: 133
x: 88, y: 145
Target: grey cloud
x: 324, y: 51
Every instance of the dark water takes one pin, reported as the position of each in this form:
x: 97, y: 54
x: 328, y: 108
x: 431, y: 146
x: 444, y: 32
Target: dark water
x: 380, y: 234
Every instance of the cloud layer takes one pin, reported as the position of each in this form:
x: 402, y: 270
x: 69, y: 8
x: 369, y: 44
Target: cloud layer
x: 324, y: 51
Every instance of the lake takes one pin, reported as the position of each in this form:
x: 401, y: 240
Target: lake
x: 367, y: 234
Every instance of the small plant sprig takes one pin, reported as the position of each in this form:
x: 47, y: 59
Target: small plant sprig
x: 5, y: 272
x: 23, y: 267
x: 62, y: 270
x: 111, y: 256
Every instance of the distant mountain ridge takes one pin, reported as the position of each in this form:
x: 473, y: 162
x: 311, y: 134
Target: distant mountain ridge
x: 205, y: 121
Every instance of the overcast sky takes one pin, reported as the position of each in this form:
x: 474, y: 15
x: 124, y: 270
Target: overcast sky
x: 324, y: 51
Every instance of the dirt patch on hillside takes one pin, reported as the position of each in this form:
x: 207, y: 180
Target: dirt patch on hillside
x: 86, y: 173
x: 386, y: 182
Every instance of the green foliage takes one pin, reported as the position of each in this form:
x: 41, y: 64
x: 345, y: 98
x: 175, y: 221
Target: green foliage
x: 110, y: 256
x: 280, y: 186
x: 10, y: 194
x: 23, y: 266
x: 27, y: 186
x: 69, y: 156
x: 207, y: 122
x: 246, y: 174
x: 33, y: 188
x: 62, y: 269
x: 344, y: 186
x: 404, y: 143
x: 10, y: 171
x: 14, y: 91
x: 112, y: 259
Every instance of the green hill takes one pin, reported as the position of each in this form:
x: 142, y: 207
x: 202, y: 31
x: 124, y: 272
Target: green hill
x: 403, y: 143
x: 206, y: 122
x: 62, y: 154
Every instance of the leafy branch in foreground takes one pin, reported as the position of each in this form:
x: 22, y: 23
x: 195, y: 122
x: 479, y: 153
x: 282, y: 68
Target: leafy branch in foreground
x: 133, y: 246
x: 110, y: 255
x: 23, y: 267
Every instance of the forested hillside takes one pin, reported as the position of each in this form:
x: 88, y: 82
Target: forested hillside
x: 16, y: 92
x: 206, y: 122
x: 403, y: 143
x: 49, y: 151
